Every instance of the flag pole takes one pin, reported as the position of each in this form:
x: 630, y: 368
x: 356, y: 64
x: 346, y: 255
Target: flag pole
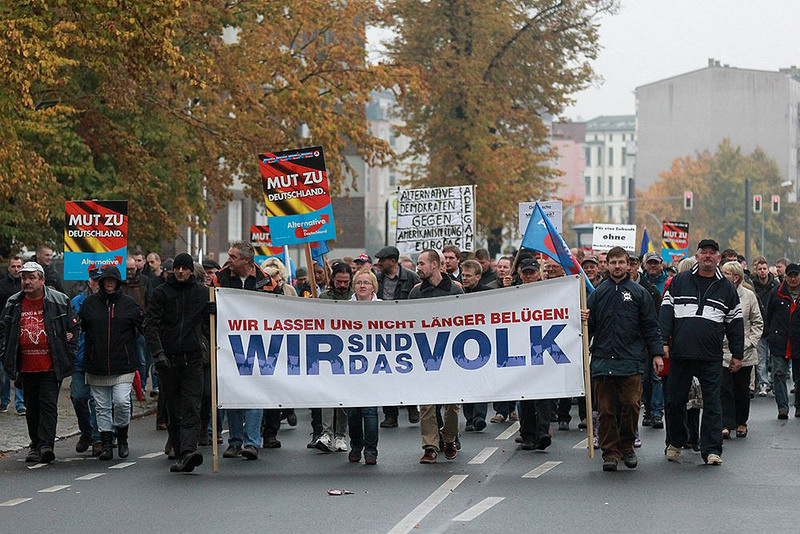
x: 214, y: 423
x: 312, y: 280
x: 587, y: 375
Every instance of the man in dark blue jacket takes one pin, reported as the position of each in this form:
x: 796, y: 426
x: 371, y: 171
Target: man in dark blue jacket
x: 700, y: 307
x: 623, y: 324
x: 783, y: 327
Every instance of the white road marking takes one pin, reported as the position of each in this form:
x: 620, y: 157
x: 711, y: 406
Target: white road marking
x: 151, y: 455
x: 122, y: 465
x: 510, y: 431
x: 37, y: 466
x: 409, y: 522
x: 53, y: 489
x: 14, y: 502
x: 478, y: 509
x: 581, y: 444
x: 483, y: 455
x: 91, y: 476
x: 539, y: 471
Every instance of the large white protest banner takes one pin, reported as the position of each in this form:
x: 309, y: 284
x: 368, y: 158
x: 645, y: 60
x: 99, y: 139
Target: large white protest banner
x: 435, y: 217
x: 521, y: 342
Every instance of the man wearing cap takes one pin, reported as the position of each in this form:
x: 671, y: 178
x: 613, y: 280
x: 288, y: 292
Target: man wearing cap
x: 783, y: 319
x: 176, y: 329
x: 362, y: 261
x: 699, y: 308
x: 591, y: 266
x: 394, y: 283
x: 654, y: 270
x: 529, y: 271
x: 38, y: 341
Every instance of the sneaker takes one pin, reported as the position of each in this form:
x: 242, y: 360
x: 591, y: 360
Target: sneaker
x: 232, y: 451
x: 250, y: 452
x: 340, y: 444
x: 630, y: 460
x: 762, y: 390
x: 313, y: 443
x: 610, y: 465
x: 713, y: 459
x: 563, y: 425
x: 673, y: 453
x: 543, y: 443
x: 187, y: 463
x: 527, y: 446
x: 479, y: 424
x: 595, y: 443
x: 272, y: 442
x: 390, y: 421
x: 354, y: 456
x: 513, y: 416
x: 647, y: 421
x: 658, y: 422
x: 429, y: 457
x: 498, y: 418
x: 4, y: 409
x: 450, y: 450
x: 83, y: 444
x: 324, y: 443
x: 637, y: 442
x: 33, y: 457
x: 22, y: 411
x: 583, y: 425
x: 47, y: 455
x: 370, y: 460
x: 783, y: 414
x: 469, y: 428
x: 154, y: 393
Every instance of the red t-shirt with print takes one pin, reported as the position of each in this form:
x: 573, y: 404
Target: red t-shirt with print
x: 33, y: 343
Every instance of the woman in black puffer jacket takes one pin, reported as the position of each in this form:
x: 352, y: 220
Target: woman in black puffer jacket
x: 112, y: 321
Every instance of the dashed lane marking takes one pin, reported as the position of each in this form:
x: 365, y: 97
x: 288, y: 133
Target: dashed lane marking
x: 483, y: 455
x: 539, y: 471
x: 121, y: 465
x: 91, y: 476
x: 409, y: 522
x: 14, y: 502
x: 151, y: 455
x: 53, y: 489
x: 510, y: 431
x: 478, y: 509
x: 37, y: 466
x: 581, y: 444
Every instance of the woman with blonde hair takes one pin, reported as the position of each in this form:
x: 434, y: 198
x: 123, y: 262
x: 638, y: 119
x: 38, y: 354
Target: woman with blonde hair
x: 276, y: 270
x: 363, y: 422
x: 736, y: 384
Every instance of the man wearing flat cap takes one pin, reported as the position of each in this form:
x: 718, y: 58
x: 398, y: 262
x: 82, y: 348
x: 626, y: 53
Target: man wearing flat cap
x: 700, y: 308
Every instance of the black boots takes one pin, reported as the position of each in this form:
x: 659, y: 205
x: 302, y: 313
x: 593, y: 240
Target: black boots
x: 106, y: 438
x: 122, y: 441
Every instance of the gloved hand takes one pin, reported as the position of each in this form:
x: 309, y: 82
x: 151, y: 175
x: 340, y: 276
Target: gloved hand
x: 161, y: 363
x: 211, y: 308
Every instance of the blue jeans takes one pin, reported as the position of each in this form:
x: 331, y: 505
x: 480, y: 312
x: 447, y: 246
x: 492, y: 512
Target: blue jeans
x: 780, y: 373
x: 363, y: 426
x: 709, y: 373
x: 652, y: 392
x: 5, y: 392
x: 244, y: 427
x: 81, y: 395
x: 113, y: 406
x: 145, y: 362
x: 763, y: 377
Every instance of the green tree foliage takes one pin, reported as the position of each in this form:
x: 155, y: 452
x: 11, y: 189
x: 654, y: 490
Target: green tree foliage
x: 490, y: 72
x: 145, y: 100
x: 717, y: 182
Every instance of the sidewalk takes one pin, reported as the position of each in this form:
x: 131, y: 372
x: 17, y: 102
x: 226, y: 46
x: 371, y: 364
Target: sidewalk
x: 14, y: 430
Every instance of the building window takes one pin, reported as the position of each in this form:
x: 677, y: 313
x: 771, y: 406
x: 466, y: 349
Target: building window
x: 624, y: 156
x: 588, y: 182
x: 610, y: 214
x: 599, y: 186
x: 235, y: 221
x: 600, y: 156
x: 610, y: 137
x: 623, y: 186
x: 610, y: 156
x: 587, y: 154
x: 261, y: 214
x: 392, y: 180
x: 611, y: 186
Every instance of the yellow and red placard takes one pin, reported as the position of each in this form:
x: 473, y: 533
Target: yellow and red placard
x: 262, y: 243
x: 95, y: 235
x: 297, y: 196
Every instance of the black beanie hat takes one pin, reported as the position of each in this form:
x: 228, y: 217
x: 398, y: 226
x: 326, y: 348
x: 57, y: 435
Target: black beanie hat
x: 183, y: 260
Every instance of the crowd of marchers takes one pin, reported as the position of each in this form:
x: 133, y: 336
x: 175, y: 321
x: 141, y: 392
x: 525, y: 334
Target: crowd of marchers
x: 677, y: 347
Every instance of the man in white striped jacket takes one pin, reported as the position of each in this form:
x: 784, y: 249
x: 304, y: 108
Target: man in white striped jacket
x: 699, y: 308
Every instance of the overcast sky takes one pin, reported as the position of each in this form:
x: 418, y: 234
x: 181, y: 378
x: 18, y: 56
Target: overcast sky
x: 649, y: 40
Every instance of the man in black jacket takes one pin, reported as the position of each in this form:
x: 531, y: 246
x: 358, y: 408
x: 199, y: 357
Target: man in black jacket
x: 38, y: 341
x: 394, y: 283
x: 783, y: 319
x: 700, y: 308
x: 624, y: 329
x: 763, y: 284
x: 10, y: 284
x: 174, y: 329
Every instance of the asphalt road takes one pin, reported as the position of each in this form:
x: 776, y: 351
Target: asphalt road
x: 490, y: 487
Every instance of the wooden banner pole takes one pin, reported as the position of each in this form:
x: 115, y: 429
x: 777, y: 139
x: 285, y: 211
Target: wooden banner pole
x: 587, y: 373
x: 214, y: 422
x: 312, y: 279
